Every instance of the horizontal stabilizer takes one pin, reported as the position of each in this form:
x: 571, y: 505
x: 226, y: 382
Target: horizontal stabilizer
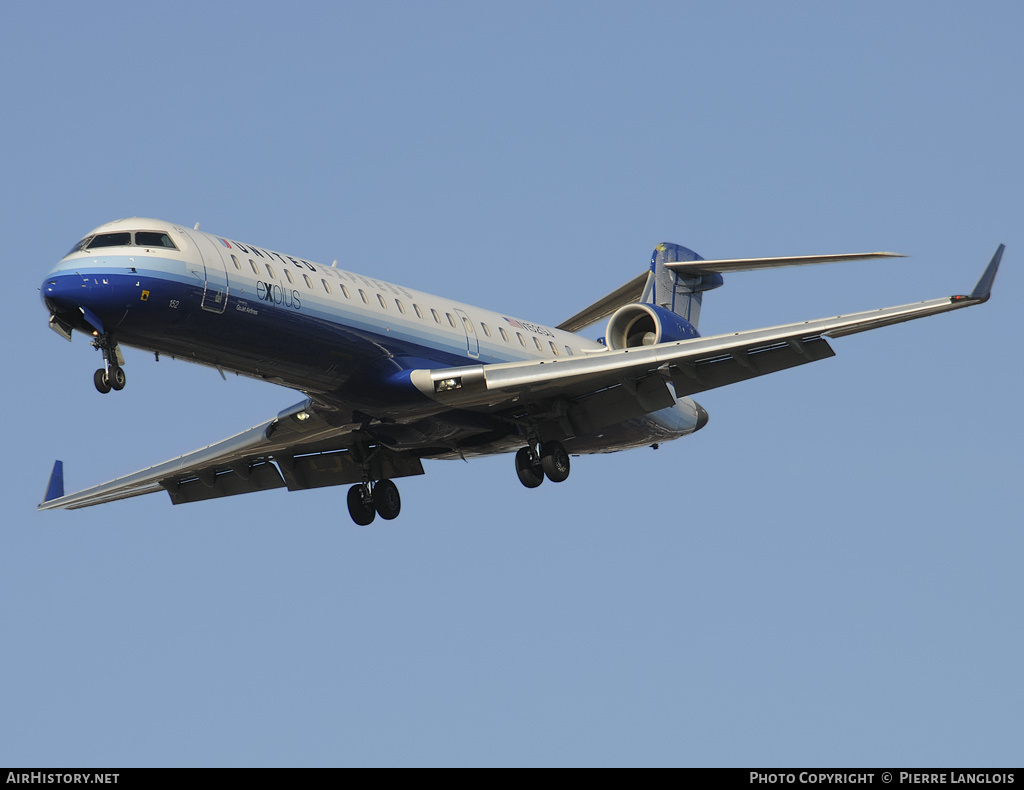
x: 633, y: 290
x: 753, y: 264
x: 627, y: 294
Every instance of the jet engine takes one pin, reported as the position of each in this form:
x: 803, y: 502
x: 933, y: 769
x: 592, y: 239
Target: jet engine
x: 638, y: 325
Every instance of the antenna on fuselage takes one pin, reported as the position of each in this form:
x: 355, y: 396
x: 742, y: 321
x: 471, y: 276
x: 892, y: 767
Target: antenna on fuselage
x: 335, y: 264
x: 196, y: 226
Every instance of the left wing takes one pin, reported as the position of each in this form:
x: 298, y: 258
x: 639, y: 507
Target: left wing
x: 306, y: 446
x: 617, y: 385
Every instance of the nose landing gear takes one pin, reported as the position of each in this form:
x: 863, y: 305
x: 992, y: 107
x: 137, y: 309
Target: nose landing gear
x: 106, y: 381
x: 111, y: 375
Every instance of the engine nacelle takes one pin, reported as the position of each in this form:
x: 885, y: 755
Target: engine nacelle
x: 639, y: 325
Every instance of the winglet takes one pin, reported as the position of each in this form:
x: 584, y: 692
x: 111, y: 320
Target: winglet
x: 55, y: 488
x: 983, y: 290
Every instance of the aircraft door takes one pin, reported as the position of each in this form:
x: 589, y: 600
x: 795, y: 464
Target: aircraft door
x: 472, y: 339
x: 215, y: 293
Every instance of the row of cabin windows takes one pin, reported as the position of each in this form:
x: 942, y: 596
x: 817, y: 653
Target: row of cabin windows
x: 401, y: 308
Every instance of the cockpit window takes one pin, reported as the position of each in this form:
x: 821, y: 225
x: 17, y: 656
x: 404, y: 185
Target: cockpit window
x: 110, y: 240
x: 143, y: 238
x: 151, y: 238
x: 80, y: 246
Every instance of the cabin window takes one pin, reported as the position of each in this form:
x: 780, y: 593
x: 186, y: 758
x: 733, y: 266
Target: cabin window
x: 234, y: 260
x: 522, y: 340
x: 536, y: 342
x: 437, y: 318
x: 344, y: 291
x: 110, y: 240
x: 270, y: 272
x: 383, y: 304
x: 151, y: 238
x: 450, y: 319
x: 486, y: 330
x: 309, y: 283
x: 288, y: 276
x: 362, y: 295
x: 568, y: 351
x: 504, y: 335
x: 327, y: 288
x: 252, y: 263
x: 400, y: 306
x: 416, y: 309
x: 468, y: 325
x: 553, y: 349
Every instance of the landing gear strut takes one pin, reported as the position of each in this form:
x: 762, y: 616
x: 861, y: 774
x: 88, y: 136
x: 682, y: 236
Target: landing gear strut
x: 111, y: 375
x: 552, y: 462
x: 367, y: 500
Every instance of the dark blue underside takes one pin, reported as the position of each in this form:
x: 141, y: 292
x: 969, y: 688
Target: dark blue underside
x: 252, y: 337
x: 358, y: 370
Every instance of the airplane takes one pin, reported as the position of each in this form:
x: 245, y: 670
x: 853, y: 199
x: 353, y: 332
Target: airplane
x: 393, y: 376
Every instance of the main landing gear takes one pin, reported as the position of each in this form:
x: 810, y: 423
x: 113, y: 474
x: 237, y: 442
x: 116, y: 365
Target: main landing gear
x: 111, y: 375
x: 109, y: 379
x: 552, y: 461
x: 367, y: 500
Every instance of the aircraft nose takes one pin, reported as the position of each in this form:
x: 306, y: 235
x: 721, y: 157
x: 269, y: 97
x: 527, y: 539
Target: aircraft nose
x: 84, y: 303
x: 63, y: 293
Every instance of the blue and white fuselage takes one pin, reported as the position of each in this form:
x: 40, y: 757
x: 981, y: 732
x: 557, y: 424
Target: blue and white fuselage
x: 393, y: 375
x: 331, y: 333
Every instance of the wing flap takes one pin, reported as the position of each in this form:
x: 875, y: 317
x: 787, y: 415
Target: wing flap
x: 689, y: 378
x: 339, y: 468
x: 625, y: 401
x: 244, y: 479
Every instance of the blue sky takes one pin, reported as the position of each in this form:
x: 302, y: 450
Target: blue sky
x: 828, y: 574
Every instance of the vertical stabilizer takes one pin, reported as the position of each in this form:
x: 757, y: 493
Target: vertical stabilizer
x: 679, y: 293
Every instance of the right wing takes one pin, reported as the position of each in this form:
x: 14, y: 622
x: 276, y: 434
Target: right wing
x: 305, y: 446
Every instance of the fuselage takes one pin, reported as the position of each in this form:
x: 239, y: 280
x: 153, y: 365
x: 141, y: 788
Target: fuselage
x: 328, y: 332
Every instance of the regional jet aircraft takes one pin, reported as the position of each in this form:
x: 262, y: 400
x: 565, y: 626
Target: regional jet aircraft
x: 393, y: 376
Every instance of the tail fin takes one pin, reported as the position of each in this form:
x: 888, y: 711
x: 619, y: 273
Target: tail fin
x: 679, y: 292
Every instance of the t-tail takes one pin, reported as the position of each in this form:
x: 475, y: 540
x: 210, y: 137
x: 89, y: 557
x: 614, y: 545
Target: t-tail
x: 672, y: 289
x: 679, y: 292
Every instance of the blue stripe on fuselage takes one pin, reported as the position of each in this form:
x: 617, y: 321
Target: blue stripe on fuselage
x: 306, y: 341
